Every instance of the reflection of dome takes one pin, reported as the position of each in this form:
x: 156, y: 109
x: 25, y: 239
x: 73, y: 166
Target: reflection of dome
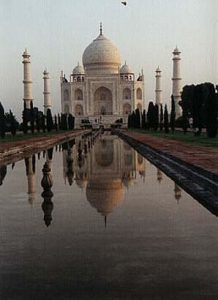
x: 104, y: 154
x: 78, y: 70
x: 81, y: 183
x: 101, y: 55
x: 105, y: 196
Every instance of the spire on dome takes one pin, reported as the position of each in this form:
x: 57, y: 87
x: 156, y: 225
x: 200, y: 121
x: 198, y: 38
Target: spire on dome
x: 100, y: 28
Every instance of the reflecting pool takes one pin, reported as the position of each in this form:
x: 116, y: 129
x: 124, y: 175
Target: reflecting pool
x: 109, y: 226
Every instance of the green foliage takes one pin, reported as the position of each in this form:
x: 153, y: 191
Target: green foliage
x: 199, y: 102
x: 13, y: 123
x: 55, y: 123
x: 50, y: 124
x: 144, y: 119
x: 166, y: 120
x: 172, y: 115
x: 63, y: 125
x: 156, y: 117
x: 71, y: 121
x: 137, y: 118
x: 32, y: 117
x: 161, y: 117
x: 150, y: 115
x: 210, y: 110
x: 2, y: 121
x: 25, y: 119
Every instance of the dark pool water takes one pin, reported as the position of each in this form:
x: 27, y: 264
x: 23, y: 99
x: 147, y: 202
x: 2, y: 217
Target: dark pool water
x: 115, y: 228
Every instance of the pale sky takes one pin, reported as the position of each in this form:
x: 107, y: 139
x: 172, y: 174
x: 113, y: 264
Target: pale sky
x: 145, y: 31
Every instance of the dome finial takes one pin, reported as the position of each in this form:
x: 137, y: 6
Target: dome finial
x: 100, y: 28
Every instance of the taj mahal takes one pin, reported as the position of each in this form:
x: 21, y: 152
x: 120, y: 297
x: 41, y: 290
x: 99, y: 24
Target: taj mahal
x: 102, y: 89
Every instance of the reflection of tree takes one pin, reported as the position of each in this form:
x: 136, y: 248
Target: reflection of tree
x: 46, y: 183
x: 177, y: 191
x: 69, y: 173
x: 3, y: 172
x: 159, y: 176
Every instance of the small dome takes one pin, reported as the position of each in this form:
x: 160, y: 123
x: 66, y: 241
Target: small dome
x: 78, y: 70
x: 125, y: 69
x: 101, y: 56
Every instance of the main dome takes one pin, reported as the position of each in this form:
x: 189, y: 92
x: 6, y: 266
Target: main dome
x: 101, y: 56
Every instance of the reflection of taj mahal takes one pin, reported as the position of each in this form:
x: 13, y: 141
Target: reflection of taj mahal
x: 104, y: 172
x: 102, y: 90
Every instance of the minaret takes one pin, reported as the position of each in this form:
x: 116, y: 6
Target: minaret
x: 176, y: 80
x: 46, y: 93
x: 158, y: 90
x: 27, y: 79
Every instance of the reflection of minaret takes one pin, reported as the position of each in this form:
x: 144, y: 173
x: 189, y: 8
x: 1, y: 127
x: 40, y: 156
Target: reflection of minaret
x: 159, y: 176
x: 177, y: 191
x: 176, y: 89
x: 27, y: 80
x: 31, y: 177
x: 47, y: 93
x: 46, y: 183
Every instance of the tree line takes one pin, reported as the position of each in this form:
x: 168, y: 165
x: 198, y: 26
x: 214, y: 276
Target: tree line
x: 156, y: 118
x: 199, y: 105
x: 34, y: 120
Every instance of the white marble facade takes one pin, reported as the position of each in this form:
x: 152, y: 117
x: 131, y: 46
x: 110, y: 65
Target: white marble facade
x: 102, y: 90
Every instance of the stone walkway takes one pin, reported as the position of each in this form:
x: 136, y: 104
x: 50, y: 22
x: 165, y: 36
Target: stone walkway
x: 13, y: 151
x: 204, y: 157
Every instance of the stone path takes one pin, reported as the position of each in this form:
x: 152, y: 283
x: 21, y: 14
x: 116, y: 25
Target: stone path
x: 204, y: 157
x: 13, y: 151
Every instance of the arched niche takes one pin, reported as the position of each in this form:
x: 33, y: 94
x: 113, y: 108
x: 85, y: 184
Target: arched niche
x: 66, y: 95
x: 139, y: 93
x: 126, y: 108
x: 66, y: 109
x: 103, y: 101
x: 78, y: 94
x: 126, y: 94
x: 78, y: 110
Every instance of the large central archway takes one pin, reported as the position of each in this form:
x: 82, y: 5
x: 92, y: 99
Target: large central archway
x: 103, y: 101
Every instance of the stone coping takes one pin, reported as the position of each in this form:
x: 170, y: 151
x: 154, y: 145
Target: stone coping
x: 13, y: 151
x: 199, y: 182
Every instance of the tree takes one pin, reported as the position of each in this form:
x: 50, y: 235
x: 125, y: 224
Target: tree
x: 38, y: 121
x: 59, y: 122
x: 156, y: 117
x: 150, y: 115
x: 49, y: 120
x: 32, y: 117
x: 161, y: 117
x: 43, y: 122
x: 71, y: 120
x: 129, y: 121
x: 166, y: 120
x: 137, y: 118
x: 210, y: 110
x: 2, y: 121
x: 63, y: 121
x: 13, y: 123
x: 172, y: 115
x: 144, y: 119
x: 25, y: 118
x: 55, y: 123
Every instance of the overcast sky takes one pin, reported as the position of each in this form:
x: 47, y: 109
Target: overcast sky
x: 145, y: 31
